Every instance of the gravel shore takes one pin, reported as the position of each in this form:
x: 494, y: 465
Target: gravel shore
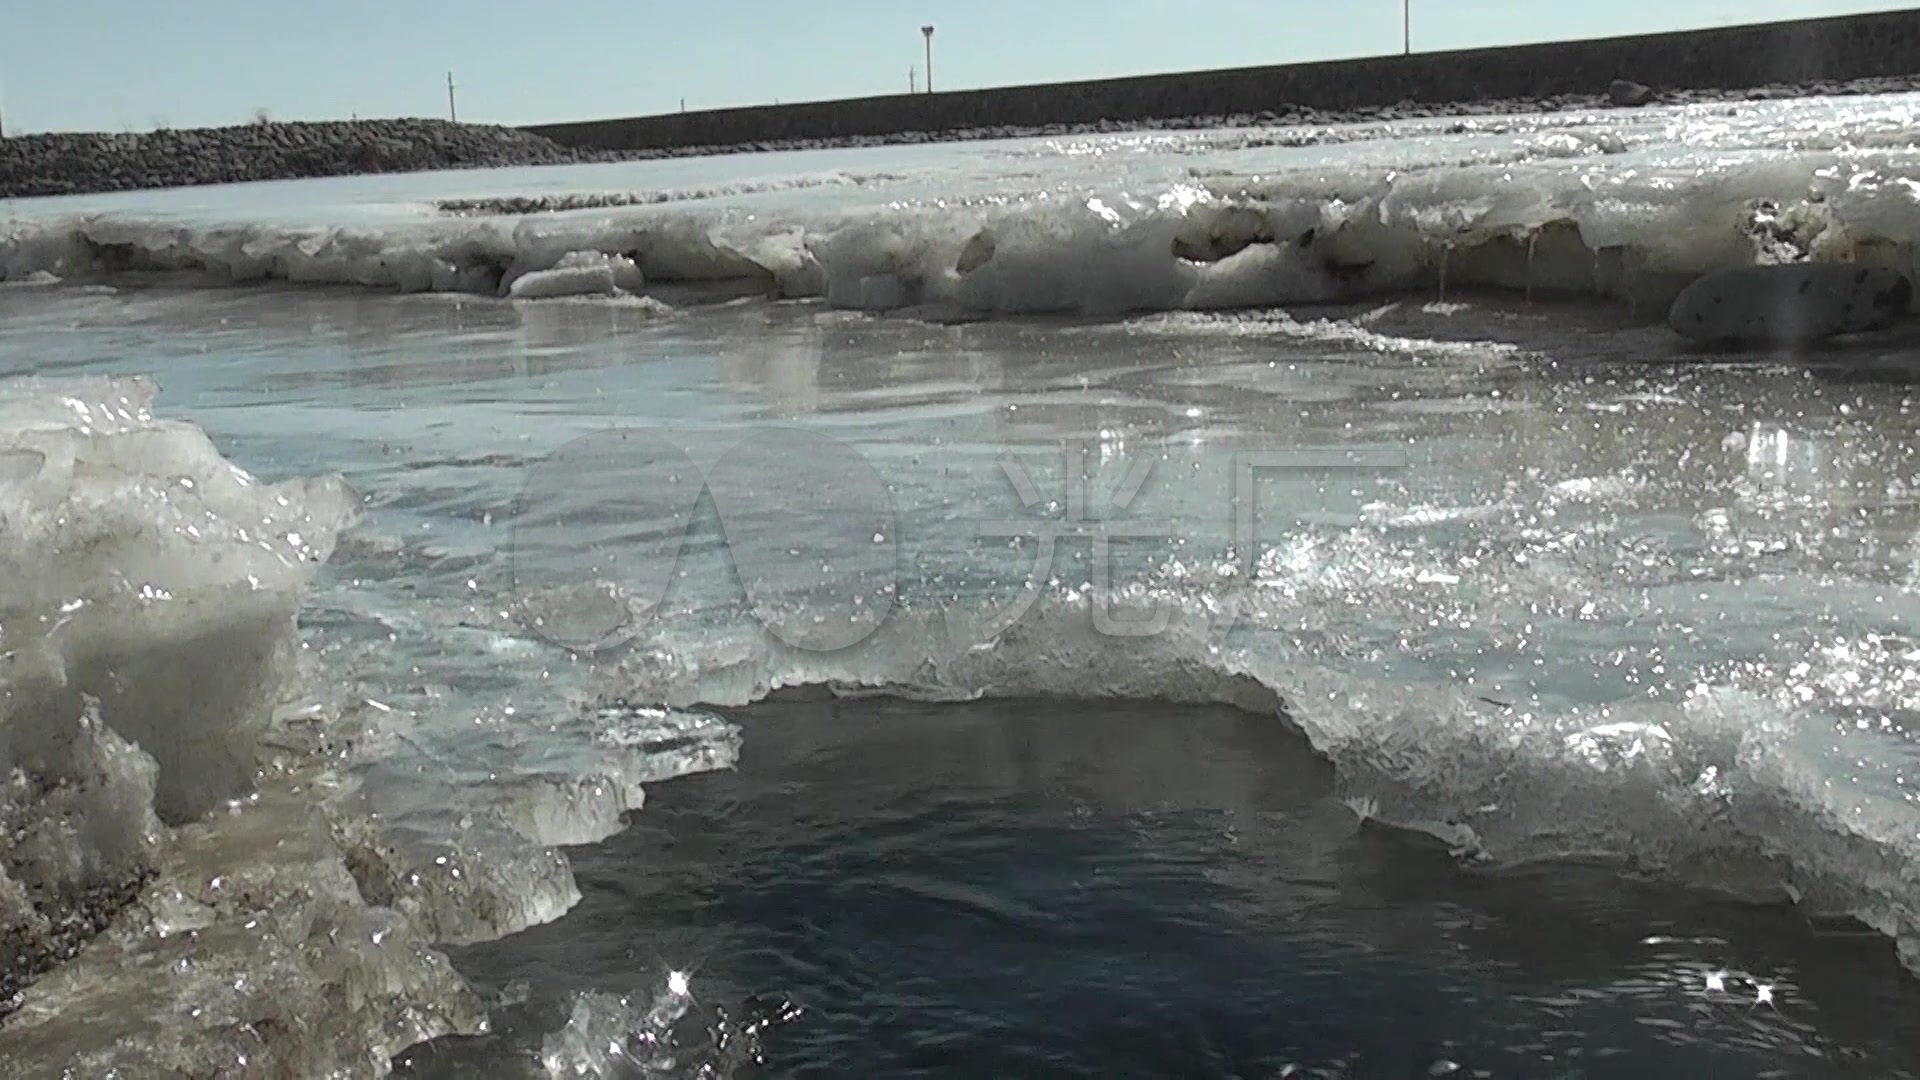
x: 89, y: 163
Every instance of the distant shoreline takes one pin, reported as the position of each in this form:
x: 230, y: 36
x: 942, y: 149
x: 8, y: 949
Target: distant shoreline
x: 56, y: 164
x: 1762, y: 59
x: 63, y: 163
x: 1844, y: 55
x: 1294, y: 119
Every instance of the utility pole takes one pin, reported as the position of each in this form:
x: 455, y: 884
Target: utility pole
x: 453, y: 113
x: 913, y: 80
x: 927, y: 32
x: 1406, y: 27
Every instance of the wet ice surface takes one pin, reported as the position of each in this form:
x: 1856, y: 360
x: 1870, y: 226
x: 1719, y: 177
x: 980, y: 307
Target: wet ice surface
x: 1534, y: 582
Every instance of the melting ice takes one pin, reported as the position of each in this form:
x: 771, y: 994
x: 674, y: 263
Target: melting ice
x: 243, y: 814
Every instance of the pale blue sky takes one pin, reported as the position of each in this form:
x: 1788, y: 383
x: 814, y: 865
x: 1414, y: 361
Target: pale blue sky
x: 131, y: 64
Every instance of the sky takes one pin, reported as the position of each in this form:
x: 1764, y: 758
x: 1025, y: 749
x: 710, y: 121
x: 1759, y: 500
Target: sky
x: 133, y: 65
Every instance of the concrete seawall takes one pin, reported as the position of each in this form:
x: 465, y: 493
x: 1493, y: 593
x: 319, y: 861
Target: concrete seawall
x: 1732, y: 58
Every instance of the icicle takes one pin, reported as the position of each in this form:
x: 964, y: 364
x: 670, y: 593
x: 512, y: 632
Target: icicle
x: 1531, y: 241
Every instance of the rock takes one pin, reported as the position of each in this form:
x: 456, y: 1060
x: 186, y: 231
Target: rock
x: 79, y: 163
x: 1627, y: 94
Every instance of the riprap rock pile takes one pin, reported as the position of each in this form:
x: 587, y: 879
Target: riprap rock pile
x: 85, y: 163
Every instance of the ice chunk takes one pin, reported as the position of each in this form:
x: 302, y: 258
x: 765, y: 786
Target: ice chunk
x: 254, y: 954
x: 580, y: 273
x: 611, y: 1036
x: 147, y: 599
x: 145, y: 570
x: 79, y: 844
x: 470, y: 862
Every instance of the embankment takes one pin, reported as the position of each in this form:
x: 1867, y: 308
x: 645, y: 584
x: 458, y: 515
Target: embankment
x: 1854, y: 54
x: 68, y: 163
x: 1869, y: 53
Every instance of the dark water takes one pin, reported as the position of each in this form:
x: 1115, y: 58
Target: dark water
x: 1007, y: 889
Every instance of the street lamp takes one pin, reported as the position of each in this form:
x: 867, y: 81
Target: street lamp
x: 927, y: 32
